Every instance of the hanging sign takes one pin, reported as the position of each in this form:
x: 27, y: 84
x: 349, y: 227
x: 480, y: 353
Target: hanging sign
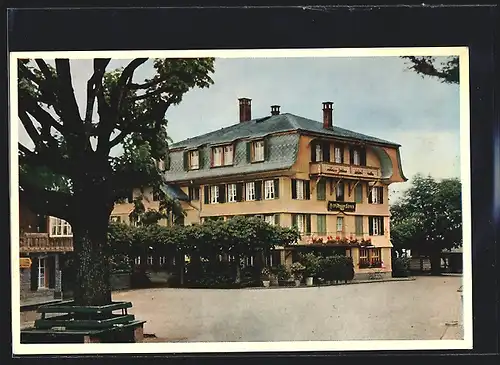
x: 24, y: 262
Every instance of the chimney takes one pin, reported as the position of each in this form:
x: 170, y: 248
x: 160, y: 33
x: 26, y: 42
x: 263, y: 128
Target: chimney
x: 327, y: 115
x: 245, y: 109
x: 275, y: 109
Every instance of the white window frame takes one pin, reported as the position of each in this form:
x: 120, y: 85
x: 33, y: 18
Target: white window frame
x: 41, y: 273
x: 301, y: 223
x: 231, y: 193
x: 150, y: 260
x: 194, y: 160
x: 58, y: 226
x: 376, y: 226
x: 228, y: 155
x: 356, y: 157
x: 269, y: 189
x: 137, y: 260
x: 337, y: 155
x: 250, y: 191
x: 340, y: 224
x: 116, y: 218
x: 163, y: 260
x: 217, y: 154
x: 300, y: 189
x: 375, y: 195
x: 319, y: 153
x: 270, y: 219
x: 340, y: 190
x: 258, y: 148
x: 214, y: 194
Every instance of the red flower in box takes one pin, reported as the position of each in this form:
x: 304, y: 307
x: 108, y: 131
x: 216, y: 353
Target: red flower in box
x: 337, y: 238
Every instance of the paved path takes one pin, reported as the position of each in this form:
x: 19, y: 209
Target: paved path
x: 425, y: 309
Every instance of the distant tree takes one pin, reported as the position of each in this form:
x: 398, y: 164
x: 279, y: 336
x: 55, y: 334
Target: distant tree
x: 446, y: 71
x: 76, y: 148
x: 428, y: 218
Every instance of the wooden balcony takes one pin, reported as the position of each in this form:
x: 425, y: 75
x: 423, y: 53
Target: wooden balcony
x: 332, y: 169
x: 41, y: 242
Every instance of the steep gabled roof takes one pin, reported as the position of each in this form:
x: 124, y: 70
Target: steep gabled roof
x: 274, y: 124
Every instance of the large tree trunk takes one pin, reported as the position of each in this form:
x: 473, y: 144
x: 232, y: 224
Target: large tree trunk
x: 435, y: 258
x: 92, y: 286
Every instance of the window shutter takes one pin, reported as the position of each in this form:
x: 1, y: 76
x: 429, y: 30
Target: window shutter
x: 34, y: 274
x: 266, y: 149
x: 321, y: 224
x: 358, y: 193
x: 351, y: 155
x: 321, y: 190
x: 277, y: 219
x: 200, y: 158
x: 206, y: 194
x: 342, y: 190
x: 186, y: 160
x: 294, y: 220
x: 369, y: 190
x: 359, y: 225
x: 370, y: 226
x: 276, y: 188
x: 341, y: 153
x: 382, y: 228
x: 239, y: 192
x: 258, y: 190
x: 326, y: 152
x: 249, y: 152
x: 308, y: 223
x: 381, y: 195
x: 51, y: 271
x: 222, y: 193
x: 313, y: 151
x: 294, y: 189
x: 307, y: 189
x: 363, y: 156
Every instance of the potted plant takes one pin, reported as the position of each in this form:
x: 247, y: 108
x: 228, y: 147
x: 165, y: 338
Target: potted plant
x: 311, y: 264
x: 297, y: 269
x: 265, y: 276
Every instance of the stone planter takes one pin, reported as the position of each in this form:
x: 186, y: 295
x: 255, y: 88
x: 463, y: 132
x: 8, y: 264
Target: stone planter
x: 266, y: 283
x: 309, y: 281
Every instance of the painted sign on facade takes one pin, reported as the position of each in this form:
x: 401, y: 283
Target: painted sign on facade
x: 341, y: 206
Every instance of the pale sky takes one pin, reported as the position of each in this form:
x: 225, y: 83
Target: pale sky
x: 372, y: 95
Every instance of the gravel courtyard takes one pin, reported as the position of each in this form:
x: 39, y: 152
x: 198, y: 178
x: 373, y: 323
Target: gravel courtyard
x: 428, y: 308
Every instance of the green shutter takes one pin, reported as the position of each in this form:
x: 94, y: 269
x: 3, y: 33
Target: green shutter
x: 206, y: 194
x: 308, y: 223
x: 276, y: 188
x: 294, y: 189
x: 277, y: 219
x: 200, y: 158
x: 258, y: 189
x: 307, y: 189
x: 186, y: 160
x: 313, y: 151
x: 249, y: 152
x: 321, y: 224
x: 359, y: 225
x: 294, y: 220
x: 321, y: 190
x: 370, y: 226
x: 266, y: 149
x: 358, y: 193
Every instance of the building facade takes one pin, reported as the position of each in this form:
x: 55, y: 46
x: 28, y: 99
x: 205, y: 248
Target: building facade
x: 329, y: 182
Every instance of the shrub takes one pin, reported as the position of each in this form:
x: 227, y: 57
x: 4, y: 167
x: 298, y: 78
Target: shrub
x: 297, y: 270
x: 400, y: 267
x: 281, y: 272
x: 336, y: 268
x: 311, y: 263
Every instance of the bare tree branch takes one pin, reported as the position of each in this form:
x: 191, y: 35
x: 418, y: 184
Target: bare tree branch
x: 30, y: 128
x: 94, y: 85
x: 69, y: 106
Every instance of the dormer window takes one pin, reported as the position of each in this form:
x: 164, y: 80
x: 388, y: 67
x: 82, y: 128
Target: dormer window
x: 222, y: 155
x: 228, y: 155
x: 194, y: 160
x: 319, y: 153
x: 258, y: 151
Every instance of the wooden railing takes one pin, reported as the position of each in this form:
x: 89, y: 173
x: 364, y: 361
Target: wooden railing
x: 41, y: 242
x: 337, y: 169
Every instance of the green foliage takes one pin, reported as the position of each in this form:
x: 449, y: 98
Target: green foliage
x: 401, y: 266
x: 428, y: 218
x: 311, y: 263
x: 281, y: 272
x: 297, y: 270
x: 446, y: 71
x: 336, y: 268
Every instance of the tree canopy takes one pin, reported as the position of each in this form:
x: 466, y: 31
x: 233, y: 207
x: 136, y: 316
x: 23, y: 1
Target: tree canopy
x: 72, y: 146
x: 428, y: 218
x: 446, y: 71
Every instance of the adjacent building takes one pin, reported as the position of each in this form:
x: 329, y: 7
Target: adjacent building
x: 329, y: 182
